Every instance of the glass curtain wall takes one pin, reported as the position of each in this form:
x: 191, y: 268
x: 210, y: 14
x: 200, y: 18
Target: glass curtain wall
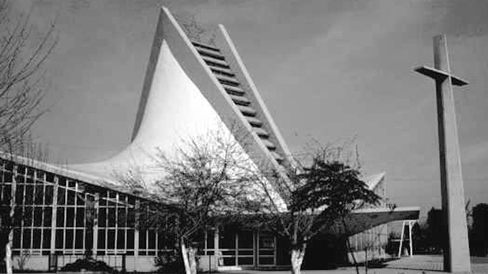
x: 57, y: 214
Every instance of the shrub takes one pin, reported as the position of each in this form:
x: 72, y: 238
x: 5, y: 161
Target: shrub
x: 89, y: 265
x: 169, y: 262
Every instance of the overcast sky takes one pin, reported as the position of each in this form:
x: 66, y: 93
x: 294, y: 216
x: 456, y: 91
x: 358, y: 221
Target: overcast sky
x: 327, y: 70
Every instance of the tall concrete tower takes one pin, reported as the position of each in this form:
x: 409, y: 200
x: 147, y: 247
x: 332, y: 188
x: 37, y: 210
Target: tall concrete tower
x: 456, y: 251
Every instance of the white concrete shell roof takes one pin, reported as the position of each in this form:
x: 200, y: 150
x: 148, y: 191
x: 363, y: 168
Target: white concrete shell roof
x: 193, y: 87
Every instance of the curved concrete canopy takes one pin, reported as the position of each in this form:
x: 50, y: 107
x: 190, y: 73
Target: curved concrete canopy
x: 181, y: 99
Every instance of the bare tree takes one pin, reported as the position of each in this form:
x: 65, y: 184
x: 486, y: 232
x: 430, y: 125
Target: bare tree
x: 22, y: 55
x: 206, y: 178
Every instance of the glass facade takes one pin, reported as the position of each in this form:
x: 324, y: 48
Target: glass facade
x: 57, y: 214
x: 61, y: 215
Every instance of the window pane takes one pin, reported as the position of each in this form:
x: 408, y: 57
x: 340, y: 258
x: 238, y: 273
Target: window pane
x: 142, y: 239
x: 245, y: 261
x: 27, y: 217
x: 48, y: 212
x: 18, y: 216
x: 80, y: 217
x: 69, y: 238
x: 19, y: 194
x: 132, y: 201
x: 71, y: 197
x: 227, y: 240
x: 17, y: 238
x: 26, y: 238
x: 80, y: 199
x: 30, y: 172
x: 50, y: 177
x: 29, y: 194
x: 7, y: 193
x: 120, y: 239
x: 266, y: 252
x: 20, y: 179
x: 152, y: 239
x: 102, y: 217
x: 266, y: 260
x: 110, y: 203
x: 230, y: 261
x: 60, y: 217
x: 111, y: 239
x: 38, y: 216
x: 122, y: 198
x: 121, y: 218
x: 36, y: 239
x: 131, y: 220
x: 61, y: 195
x: 111, y: 217
x: 161, y: 241
x: 7, y: 177
x: 266, y: 241
x: 46, y: 238
x: 49, y: 195
x: 39, y: 194
x: 245, y: 239
x: 130, y: 239
x: 59, y: 238
x: 101, y: 238
x: 79, y: 239
x: 102, y: 201
x: 210, y: 238
x: 70, y: 217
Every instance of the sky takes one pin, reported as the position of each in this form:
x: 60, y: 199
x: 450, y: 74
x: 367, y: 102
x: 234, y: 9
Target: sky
x: 328, y: 71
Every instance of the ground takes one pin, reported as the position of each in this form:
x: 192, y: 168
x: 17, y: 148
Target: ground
x: 418, y: 264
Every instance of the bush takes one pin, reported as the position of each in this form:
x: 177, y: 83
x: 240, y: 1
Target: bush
x: 169, y: 262
x: 89, y: 265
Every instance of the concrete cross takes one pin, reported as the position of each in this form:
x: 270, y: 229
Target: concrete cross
x: 456, y: 251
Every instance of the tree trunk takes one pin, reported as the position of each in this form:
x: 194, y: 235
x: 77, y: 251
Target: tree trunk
x: 8, y: 253
x: 192, y: 259
x: 8, y: 246
x: 297, y: 255
x: 184, y: 254
x: 189, y: 258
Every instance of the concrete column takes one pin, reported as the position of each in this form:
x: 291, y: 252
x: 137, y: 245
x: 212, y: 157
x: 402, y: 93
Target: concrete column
x: 95, y: 224
x: 456, y: 250
x: 216, y: 246
x: 136, y: 229
x: 54, y: 215
x: 456, y: 253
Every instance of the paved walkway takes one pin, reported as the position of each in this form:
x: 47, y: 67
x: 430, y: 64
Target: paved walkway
x: 418, y: 264
x: 434, y: 263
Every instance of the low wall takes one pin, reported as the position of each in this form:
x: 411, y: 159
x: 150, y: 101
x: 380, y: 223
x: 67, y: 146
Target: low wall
x: 205, y: 261
x: 133, y: 263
